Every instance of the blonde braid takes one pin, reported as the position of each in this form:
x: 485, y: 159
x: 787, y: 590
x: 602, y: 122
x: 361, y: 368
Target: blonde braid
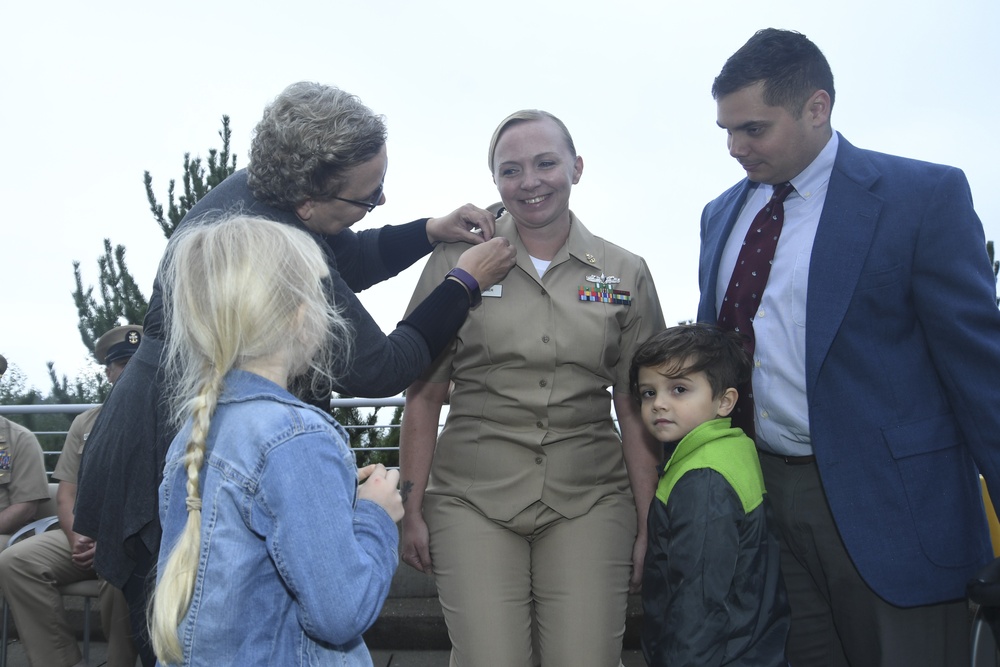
x: 236, y: 291
x: 173, y: 594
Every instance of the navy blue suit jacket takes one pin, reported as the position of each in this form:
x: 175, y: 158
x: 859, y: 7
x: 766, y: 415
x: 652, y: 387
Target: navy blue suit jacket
x: 902, y: 367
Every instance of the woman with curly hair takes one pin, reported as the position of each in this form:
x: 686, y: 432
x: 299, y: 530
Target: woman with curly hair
x: 317, y: 163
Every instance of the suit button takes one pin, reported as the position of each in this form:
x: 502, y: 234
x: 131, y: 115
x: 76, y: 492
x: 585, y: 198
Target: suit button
x: 539, y: 425
x: 538, y: 460
x: 542, y: 383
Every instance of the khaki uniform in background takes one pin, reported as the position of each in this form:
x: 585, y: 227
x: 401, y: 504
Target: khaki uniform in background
x: 32, y: 570
x: 22, y: 468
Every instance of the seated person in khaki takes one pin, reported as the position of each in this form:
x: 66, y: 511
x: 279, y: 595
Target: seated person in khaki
x: 22, y: 475
x: 32, y: 570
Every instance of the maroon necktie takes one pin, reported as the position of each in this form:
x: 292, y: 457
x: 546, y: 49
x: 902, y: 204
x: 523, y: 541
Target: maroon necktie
x: 743, y: 295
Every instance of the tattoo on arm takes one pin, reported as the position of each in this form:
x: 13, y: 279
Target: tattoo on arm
x: 405, y: 488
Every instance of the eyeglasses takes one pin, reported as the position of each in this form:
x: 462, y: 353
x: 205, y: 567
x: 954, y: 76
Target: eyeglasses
x: 370, y: 204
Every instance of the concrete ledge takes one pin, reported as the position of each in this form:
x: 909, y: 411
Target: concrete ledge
x: 415, y: 624
x: 411, y: 619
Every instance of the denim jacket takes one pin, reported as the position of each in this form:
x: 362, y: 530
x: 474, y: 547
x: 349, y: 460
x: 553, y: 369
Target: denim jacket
x: 293, y: 566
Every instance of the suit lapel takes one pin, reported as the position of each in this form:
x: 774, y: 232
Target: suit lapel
x: 843, y: 241
x: 718, y: 224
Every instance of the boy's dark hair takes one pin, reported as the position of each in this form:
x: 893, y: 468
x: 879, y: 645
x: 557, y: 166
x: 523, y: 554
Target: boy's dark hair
x: 791, y: 67
x: 690, y: 348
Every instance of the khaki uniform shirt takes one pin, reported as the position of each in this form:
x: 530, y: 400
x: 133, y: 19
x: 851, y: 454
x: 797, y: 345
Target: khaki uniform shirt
x: 530, y: 412
x: 22, y: 466
x: 68, y: 465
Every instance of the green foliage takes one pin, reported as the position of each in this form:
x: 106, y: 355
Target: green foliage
x: 14, y: 389
x: 197, y: 182
x: 120, y: 299
x: 367, y: 438
x: 122, y: 302
x: 88, y: 387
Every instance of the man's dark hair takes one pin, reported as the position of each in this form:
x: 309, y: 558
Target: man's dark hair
x: 690, y: 348
x: 791, y: 67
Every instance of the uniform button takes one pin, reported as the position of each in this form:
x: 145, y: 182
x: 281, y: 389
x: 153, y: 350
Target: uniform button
x: 756, y: 362
x: 545, y: 339
x: 538, y: 460
x: 760, y: 313
x: 542, y: 383
x: 539, y: 425
x: 763, y: 414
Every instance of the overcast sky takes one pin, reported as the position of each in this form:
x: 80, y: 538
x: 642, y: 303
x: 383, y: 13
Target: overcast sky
x: 94, y: 94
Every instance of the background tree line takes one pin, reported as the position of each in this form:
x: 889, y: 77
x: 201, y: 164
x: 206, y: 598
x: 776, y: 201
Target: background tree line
x: 118, y: 300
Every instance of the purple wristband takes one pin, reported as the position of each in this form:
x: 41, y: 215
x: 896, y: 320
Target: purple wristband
x: 464, y: 277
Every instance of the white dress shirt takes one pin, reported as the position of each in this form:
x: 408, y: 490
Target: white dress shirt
x: 779, y: 372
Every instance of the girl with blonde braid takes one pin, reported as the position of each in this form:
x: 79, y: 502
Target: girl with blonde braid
x: 272, y: 552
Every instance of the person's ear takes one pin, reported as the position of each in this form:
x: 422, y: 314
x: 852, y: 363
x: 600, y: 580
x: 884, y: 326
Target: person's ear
x: 728, y: 401
x: 577, y: 169
x: 304, y: 210
x: 818, y: 108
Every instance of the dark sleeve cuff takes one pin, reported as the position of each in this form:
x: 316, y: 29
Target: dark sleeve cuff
x: 439, y: 316
x: 402, y: 245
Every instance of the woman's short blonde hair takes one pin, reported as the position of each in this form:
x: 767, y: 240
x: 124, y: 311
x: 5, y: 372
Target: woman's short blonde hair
x: 523, y: 116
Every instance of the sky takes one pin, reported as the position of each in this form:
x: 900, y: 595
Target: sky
x: 94, y: 95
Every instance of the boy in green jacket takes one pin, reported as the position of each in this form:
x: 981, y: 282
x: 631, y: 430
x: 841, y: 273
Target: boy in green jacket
x: 712, y: 592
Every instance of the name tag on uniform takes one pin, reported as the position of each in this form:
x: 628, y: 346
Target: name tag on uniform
x: 495, y: 291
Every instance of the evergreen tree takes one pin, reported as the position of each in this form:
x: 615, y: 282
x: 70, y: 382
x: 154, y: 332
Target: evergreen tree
x: 369, y: 440
x: 197, y: 182
x: 14, y: 390
x: 89, y: 387
x: 121, y: 300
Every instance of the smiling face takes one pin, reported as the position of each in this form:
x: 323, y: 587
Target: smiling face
x: 361, y: 183
x: 770, y: 143
x: 534, y: 171
x: 674, y: 401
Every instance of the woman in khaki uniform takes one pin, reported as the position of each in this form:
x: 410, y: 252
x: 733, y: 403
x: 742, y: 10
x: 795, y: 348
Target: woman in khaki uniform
x: 523, y: 506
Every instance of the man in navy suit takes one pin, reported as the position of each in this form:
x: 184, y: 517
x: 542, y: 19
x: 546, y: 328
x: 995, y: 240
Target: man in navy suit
x: 876, y: 378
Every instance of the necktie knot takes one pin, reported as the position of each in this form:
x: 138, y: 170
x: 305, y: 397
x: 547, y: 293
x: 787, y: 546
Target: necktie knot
x: 781, y: 192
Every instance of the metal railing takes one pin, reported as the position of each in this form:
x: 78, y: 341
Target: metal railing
x: 74, y: 409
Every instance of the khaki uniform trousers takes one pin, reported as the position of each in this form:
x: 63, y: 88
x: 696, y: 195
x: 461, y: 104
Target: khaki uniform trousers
x: 30, y: 573
x: 569, y: 575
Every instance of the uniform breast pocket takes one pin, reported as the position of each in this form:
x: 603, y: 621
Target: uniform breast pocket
x: 6, y: 463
